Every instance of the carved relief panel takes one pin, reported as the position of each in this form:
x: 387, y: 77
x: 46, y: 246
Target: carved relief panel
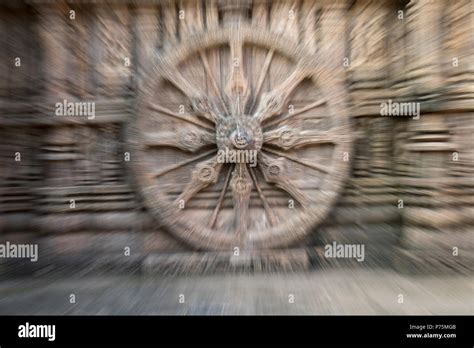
x: 238, y: 140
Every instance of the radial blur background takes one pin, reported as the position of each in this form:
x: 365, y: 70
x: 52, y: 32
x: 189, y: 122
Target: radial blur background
x: 69, y: 186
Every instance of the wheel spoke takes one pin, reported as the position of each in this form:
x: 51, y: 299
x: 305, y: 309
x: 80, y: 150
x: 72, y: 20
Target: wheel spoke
x: 288, y: 138
x: 297, y: 112
x: 214, y: 85
x: 268, y: 210
x: 181, y: 117
x: 237, y: 87
x: 263, y: 75
x: 185, y: 139
x: 179, y: 81
x: 201, y: 104
x: 203, y: 175
x: 206, y: 108
x: 241, y: 185
x: 182, y: 164
x: 272, y: 103
x: 275, y: 171
x: 213, y: 220
x: 318, y: 167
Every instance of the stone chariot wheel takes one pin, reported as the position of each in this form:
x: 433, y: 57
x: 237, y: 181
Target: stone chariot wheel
x: 240, y: 140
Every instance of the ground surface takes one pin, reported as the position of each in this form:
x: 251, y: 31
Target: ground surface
x: 330, y: 292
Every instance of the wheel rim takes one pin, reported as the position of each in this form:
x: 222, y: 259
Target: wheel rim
x: 175, y: 155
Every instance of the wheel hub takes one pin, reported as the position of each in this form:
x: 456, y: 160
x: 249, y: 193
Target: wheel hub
x: 243, y: 133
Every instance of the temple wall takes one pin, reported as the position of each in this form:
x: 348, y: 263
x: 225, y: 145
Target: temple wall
x: 409, y: 197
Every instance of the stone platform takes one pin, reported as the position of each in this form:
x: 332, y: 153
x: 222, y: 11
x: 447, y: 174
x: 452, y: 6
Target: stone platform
x: 335, y: 291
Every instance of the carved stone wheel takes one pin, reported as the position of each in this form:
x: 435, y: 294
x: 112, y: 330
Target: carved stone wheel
x: 239, y: 89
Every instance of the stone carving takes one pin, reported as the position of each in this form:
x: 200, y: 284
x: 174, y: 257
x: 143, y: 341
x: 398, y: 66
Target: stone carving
x: 243, y: 117
x: 208, y: 77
